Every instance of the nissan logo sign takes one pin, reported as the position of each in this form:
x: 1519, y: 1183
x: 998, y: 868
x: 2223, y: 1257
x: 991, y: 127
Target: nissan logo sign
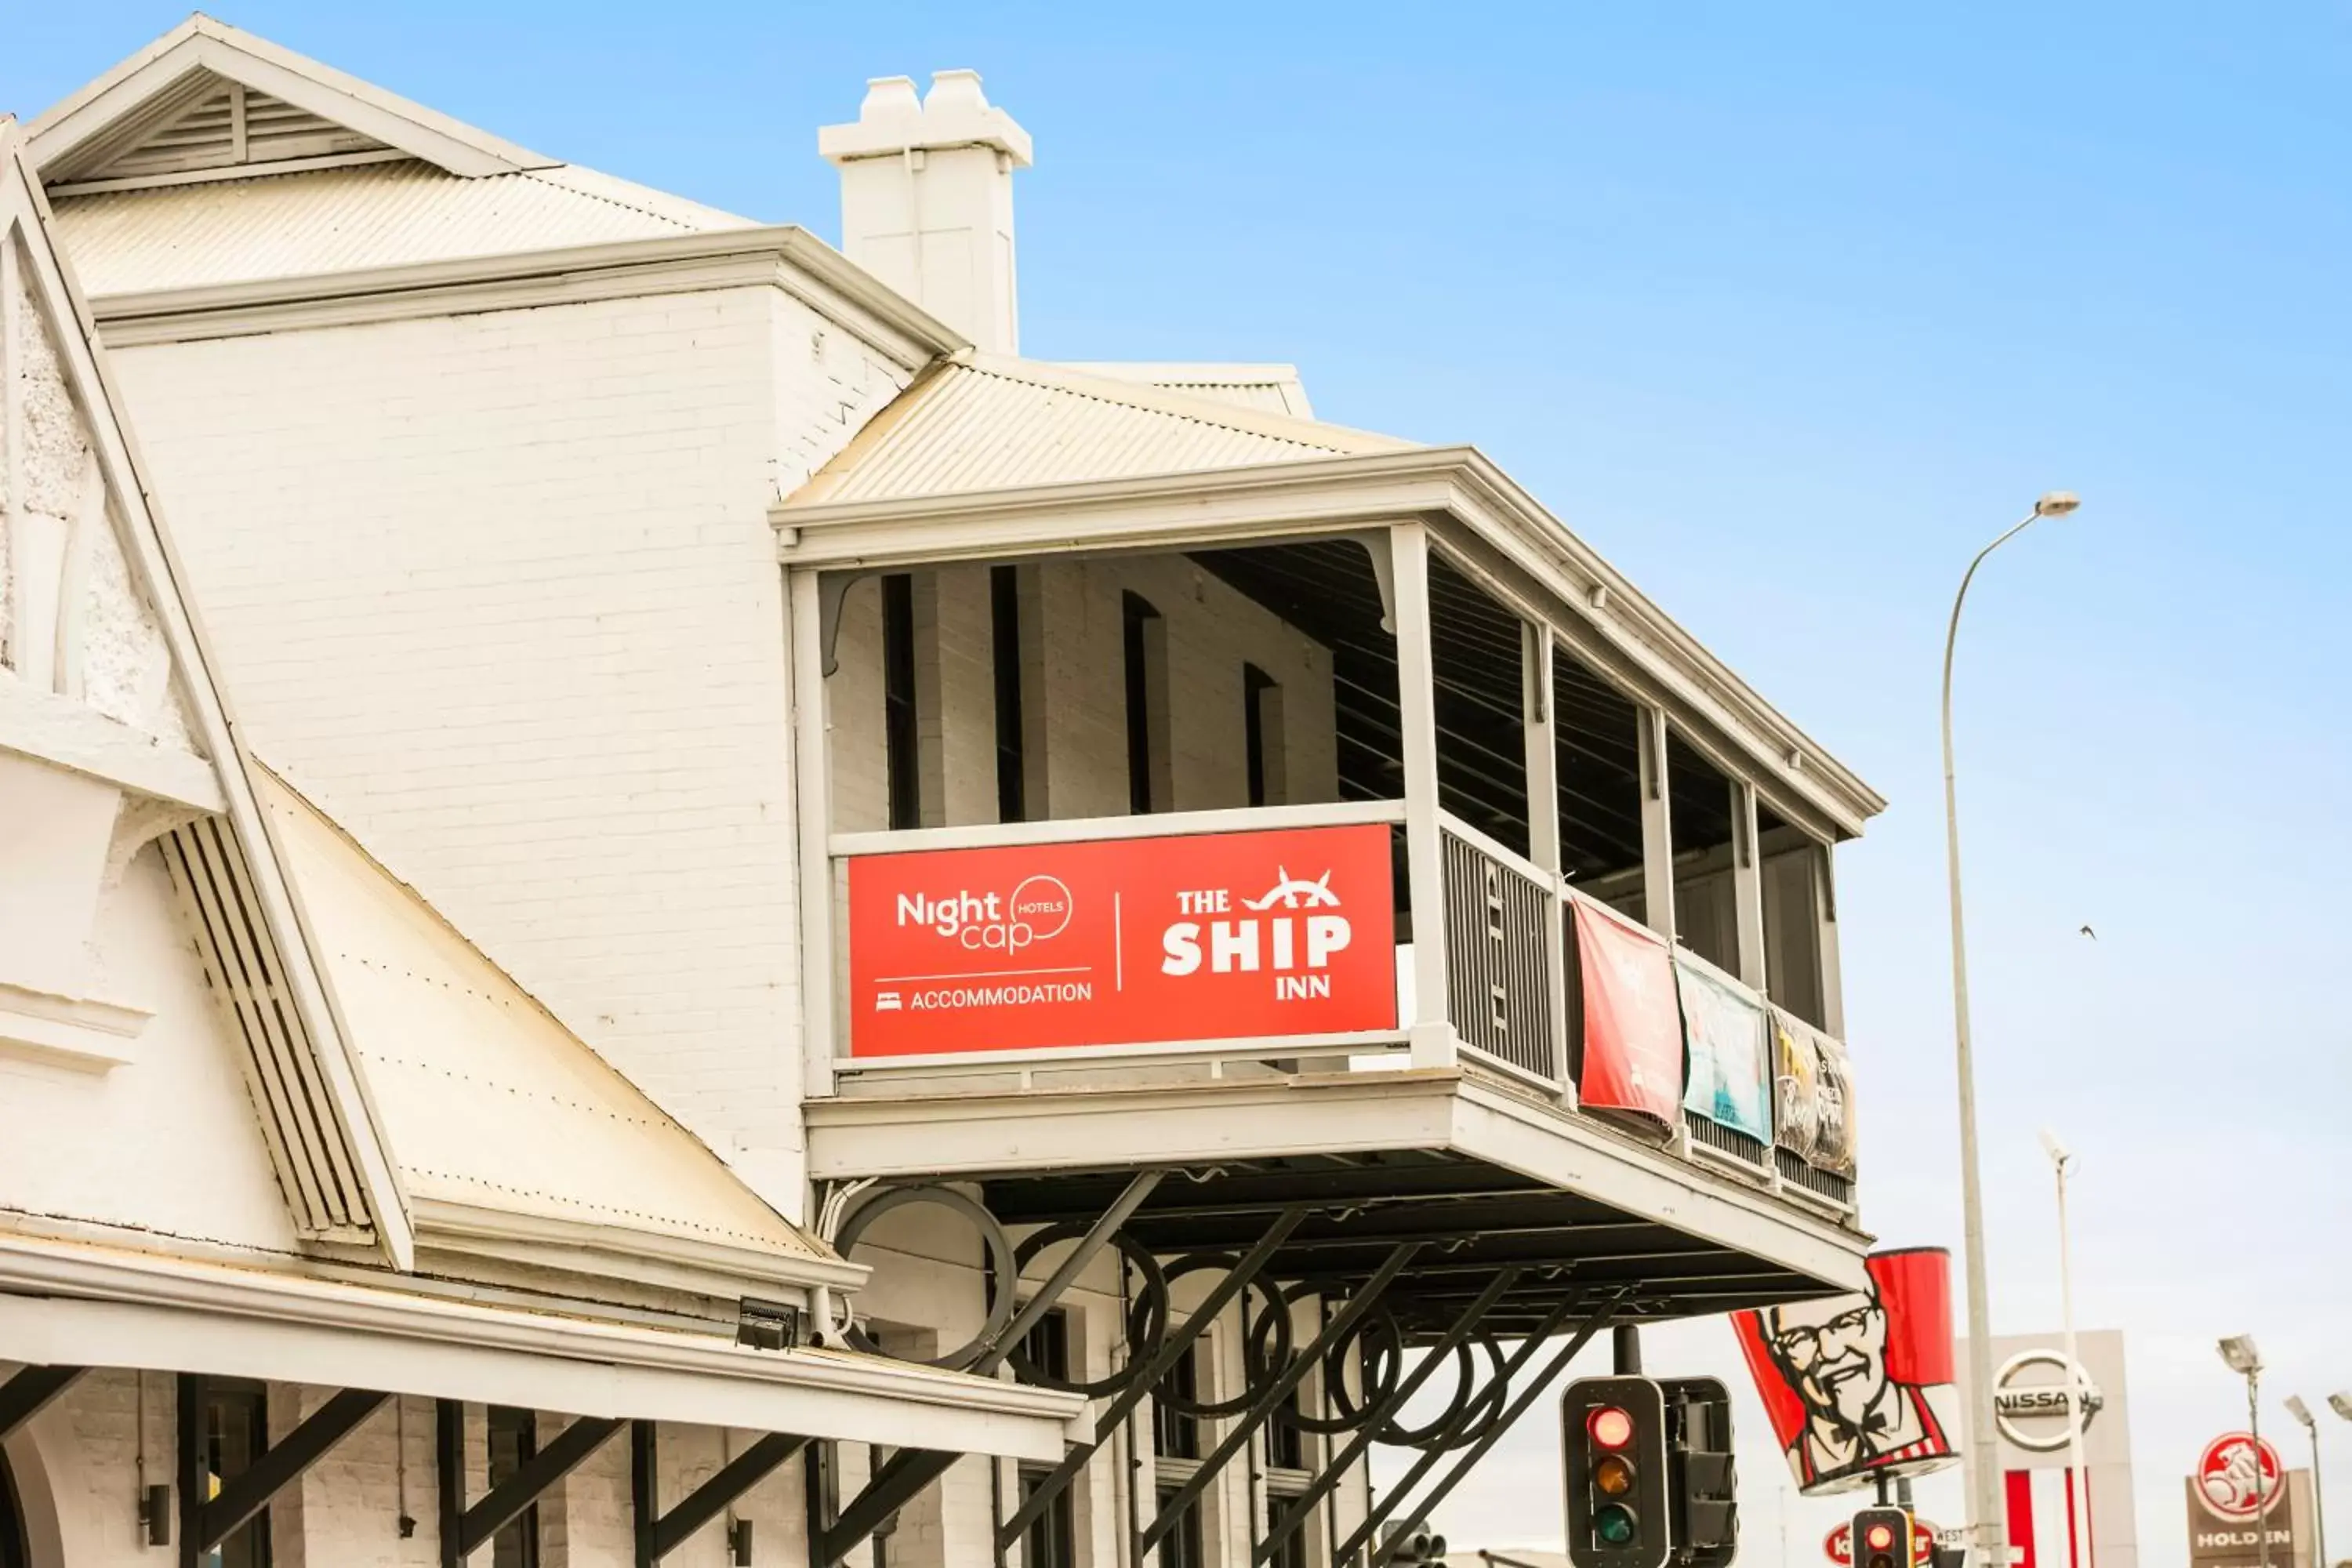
x: 2032, y: 1414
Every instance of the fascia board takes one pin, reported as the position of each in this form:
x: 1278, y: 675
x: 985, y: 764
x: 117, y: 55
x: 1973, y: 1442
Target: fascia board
x: 164, y: 580
x: 993, y: 1132
x: 1435, y: 484
x: 1503, y: 1131
x: 649, y: 1256
x: 203, y: 44
x: 67, y: 1304
x: 782, y: 256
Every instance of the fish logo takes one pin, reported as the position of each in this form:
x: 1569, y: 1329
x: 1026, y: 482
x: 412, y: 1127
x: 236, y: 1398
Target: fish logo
x: 1295, y: 893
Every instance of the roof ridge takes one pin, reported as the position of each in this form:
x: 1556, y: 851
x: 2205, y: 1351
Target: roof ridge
x: 1151, y: 399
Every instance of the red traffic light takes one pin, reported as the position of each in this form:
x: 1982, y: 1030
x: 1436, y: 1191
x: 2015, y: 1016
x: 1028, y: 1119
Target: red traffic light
x: 1609, y: 1427
x: 1881, y: 1537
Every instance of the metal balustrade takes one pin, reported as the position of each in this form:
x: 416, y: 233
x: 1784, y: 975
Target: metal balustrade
x: 1498, y: 943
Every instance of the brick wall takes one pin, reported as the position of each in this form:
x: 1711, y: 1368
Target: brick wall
x: 501, y: 592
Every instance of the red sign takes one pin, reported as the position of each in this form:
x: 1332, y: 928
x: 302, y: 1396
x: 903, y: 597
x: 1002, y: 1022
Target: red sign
x: 1632, y: 1019
x: 1838, y: 1545
x: 2229, y: 1480
x: 1122, y: 941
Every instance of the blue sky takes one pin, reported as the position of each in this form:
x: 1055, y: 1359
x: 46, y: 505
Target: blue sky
x: 1787, y: 310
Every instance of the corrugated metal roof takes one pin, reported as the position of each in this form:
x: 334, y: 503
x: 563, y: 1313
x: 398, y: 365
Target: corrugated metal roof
x: 986, y: 424
x: 1269, y: 388
x: 340, y: 220
x: 484, y: 1098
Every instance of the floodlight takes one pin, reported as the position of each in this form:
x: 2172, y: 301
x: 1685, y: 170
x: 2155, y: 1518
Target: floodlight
x: 2299, y: 1410
x: 2341, y: 1403
x: 2238, y: 1351
x: 2060, y: 1155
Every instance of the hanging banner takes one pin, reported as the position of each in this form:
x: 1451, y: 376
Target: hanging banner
x: 1722, y: 1028
x: 1862, y: 1386
x: 1119, y: 941
x: 1812, y: 1095
x: 1632, y: 1033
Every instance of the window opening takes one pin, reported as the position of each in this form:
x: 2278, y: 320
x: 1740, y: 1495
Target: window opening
x: 1707, y: 906
x: 1180, y: 1547
x: 1174, y: 1433
x: 1292, y: 1552
x: 1051, y: 1541
x: 1262, y: 736
x: 513, y: 1440
x: 1146, y: 649
x: 234, y: 1427
x: 1793, y: 864
x: 1597, y: 755
x: 901, y: 732
x: 1004, y: 637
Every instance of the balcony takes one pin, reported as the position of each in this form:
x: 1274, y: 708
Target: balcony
x: 1319, y: 859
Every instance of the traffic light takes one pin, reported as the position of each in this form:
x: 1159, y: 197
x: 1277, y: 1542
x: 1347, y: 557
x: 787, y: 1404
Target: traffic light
x: 1882, y: 1538
x: 1701, y: 1479
x: 1614, y: 1433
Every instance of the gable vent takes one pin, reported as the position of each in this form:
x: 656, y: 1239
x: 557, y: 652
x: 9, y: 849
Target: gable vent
x: 220, y: 128
x: 309, y: 1146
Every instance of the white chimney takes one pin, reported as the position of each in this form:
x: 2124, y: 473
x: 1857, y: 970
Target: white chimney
x: 927, y: 199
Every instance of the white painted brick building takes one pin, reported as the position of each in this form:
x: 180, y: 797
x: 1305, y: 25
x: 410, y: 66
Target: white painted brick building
x: 632, y: 580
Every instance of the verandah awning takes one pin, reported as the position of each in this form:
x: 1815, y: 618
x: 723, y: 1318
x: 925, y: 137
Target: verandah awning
x: 66, y: 1304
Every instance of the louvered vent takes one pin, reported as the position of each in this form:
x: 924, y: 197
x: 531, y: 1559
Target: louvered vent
x: 232, y: 126
x: 308, y: 1145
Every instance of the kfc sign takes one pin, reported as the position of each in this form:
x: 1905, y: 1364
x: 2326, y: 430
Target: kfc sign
x: 1122, y: 941
x: 1859, y: 1387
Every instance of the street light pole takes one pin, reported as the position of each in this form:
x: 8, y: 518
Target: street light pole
x: 1987, y: 1519
x: 2237, y: 1352
x: 2078, y: 1483
x: 2302, y: 1412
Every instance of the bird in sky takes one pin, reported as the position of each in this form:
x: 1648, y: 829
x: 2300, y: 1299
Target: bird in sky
x: 2089, y: 932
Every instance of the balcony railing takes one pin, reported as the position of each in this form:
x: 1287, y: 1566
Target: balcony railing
x: 1059, y: 971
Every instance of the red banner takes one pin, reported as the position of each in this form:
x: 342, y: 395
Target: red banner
x: 1122, y: 941
x: 1632, y: 1023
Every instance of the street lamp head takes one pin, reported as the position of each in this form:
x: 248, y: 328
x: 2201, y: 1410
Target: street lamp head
x: 2299, y: 1410
x: 2060, y: 1155
x: 2057, y: 503
x: 2238, y: 1351
x: 2341, y: 1403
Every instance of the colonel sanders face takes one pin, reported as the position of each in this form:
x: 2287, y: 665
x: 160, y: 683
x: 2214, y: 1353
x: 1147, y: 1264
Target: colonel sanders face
x: 1833, y: 1354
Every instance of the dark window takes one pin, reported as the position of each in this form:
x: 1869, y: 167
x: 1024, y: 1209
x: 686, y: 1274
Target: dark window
x: 1174, y: 1433
x: 1051, y: 1541
x: 1145, y: 701
x: 1047, y: 1346
x: 1286, y: 1440
x: 1180, y: 1547
x: 1004, y: 633
x: 899, y: 729
x: 233, y: 1429
x: 14, y: 1552
x: 1292, y: 1552
x: 514, y: 1438
x: 1262, y: 748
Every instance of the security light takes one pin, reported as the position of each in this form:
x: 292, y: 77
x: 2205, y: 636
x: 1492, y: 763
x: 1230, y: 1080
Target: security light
x: 2341, y: 1403
x: 2057, y: 503
x: 2299, y: 1410
x: 2060, y: 1155
x: 2238, y: 1351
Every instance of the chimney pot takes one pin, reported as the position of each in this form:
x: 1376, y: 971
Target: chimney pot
x: 927, y: 199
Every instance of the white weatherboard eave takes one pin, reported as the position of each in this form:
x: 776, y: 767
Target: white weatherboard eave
x: 67, y: 1304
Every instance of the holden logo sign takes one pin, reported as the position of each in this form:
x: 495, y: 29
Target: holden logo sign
x: 2226, y: 1473
x: 2029, y: 1400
